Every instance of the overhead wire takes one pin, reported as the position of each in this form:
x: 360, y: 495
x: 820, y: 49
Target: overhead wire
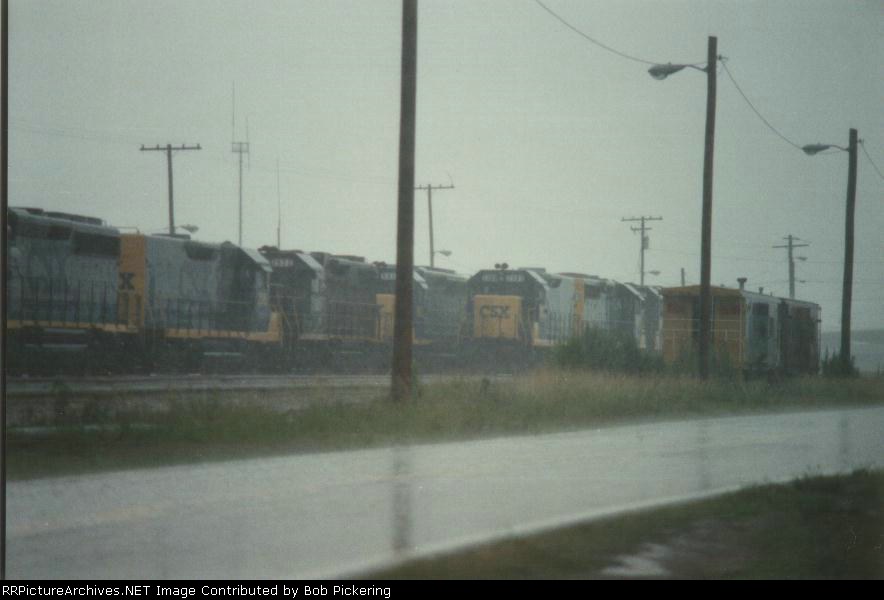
x: 755, y: 110
x: 597, y: 42
x: 724, y: 67
x: 874, y: 166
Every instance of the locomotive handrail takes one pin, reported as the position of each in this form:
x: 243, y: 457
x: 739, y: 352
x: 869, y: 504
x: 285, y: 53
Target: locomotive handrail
x: 59, y: 302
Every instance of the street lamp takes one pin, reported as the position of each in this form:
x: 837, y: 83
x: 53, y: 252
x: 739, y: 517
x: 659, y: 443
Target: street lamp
x: 847, y: 289
x: 445, y: 253
x: 662, y: 72
x: 811, y: 149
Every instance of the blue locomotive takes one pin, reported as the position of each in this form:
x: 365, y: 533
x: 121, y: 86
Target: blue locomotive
x: 84, y: 297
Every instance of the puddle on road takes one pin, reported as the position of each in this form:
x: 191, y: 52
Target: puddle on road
x: 647, y: 563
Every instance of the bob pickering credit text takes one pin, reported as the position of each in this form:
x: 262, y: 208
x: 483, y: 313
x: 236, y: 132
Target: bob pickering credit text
x: 287, y: 591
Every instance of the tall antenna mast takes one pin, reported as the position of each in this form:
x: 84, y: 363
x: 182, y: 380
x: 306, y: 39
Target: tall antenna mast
x: 239, y: 148
x: 278, y: 210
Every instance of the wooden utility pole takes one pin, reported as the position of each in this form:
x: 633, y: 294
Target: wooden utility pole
x: 847, y: 290
x: 4, y: 181
x: 791, y: 239
x: 403, y: 324
x: 430, y: 187
x: 168, y: 149
x: 706, y: 219
x: 644, y: 239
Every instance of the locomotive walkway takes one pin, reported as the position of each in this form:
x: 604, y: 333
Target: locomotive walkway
x: 334, y: 514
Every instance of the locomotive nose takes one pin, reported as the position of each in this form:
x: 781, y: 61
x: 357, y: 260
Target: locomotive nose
x: 496, y: 316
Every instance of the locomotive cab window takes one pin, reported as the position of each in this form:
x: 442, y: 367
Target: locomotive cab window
x: 96, y: 245
x: 58, y: 232
x: 197, y: 251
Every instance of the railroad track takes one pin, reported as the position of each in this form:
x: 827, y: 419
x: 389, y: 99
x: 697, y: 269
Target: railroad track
x: 141, y: 384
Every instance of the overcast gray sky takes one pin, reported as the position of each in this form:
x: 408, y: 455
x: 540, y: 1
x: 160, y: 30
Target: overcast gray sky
x: 549, y: 139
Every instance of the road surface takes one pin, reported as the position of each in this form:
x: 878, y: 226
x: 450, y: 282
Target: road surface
x: 333, y: 514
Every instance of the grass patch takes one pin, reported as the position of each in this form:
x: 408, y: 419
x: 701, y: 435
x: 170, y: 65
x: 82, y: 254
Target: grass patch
x: 210, y: 427
x: 813, y: 528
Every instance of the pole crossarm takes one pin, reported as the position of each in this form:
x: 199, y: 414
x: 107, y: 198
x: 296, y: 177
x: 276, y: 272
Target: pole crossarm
x: 170, y: 147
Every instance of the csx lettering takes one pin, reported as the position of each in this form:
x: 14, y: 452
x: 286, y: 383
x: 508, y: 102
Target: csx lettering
x: 126, y: 281
x: 494, y: 312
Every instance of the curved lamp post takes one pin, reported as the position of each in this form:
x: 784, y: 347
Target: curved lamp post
x: 662, y: 72
x: 847, y: 289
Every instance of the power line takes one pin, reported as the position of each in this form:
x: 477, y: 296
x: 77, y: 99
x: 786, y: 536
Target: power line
x: 755, y: 110
x: 111, y: 138
x: 874, y: 166
x: 595, y: 41
x: 70, y: 133
x: 721, y: 256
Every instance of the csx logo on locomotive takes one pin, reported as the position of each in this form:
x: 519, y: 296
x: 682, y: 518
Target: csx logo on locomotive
x: 126, y: 283
x: 494, y: 311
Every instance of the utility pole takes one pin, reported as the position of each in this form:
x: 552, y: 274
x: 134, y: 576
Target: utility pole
x: 706, y: 234
x: 168, y: 148
x: 403, y: 324
x: 4, y: 190
x: 790, y: 245
x: 430, y: 187
x: 847, y: 291
x: 661, y: 71
x: 682, y: 277
x: 644, y: 239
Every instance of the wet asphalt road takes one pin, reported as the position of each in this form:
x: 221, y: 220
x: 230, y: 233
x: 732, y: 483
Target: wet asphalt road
x: 326, y: 515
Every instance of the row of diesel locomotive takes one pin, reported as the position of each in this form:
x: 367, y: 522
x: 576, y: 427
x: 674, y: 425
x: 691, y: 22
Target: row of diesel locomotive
x: 516, y: 313
x: 84, y: 297
x: 338, y: 310
x: 521, y: 313
x: 87, y: 297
